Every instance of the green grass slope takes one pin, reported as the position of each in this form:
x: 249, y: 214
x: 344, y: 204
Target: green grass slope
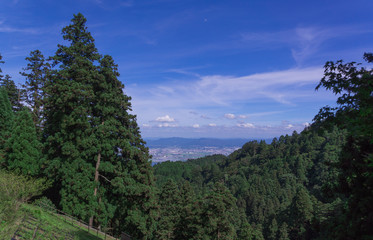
x: 32, y: 221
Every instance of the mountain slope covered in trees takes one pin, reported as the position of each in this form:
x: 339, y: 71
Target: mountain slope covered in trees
x: 278, y: 187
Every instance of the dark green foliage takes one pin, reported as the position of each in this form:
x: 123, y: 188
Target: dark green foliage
x: 125, y: 157
x: 93, y: 143
x: 273, y: 229
x: 68, y: 132
x: 23, y: 149
x: 283, y: 232
x: 6, y: 123
x: 354, y: 112
x: 15, y: 95
x: 218, y: 213
x: 189, y: 224
x: 36, y: 74
x: 301, y: 214
x: 273, y: 183
x: 170, y: 206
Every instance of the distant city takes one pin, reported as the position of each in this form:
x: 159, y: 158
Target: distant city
x: 182, y: 149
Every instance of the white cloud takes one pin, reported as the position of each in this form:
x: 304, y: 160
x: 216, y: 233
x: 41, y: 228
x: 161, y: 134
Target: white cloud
x: 289, y: 126
x: 195, y: 125
x: 165, y: 119
x: 212, y: 125
x: 230, y: 116
x: 167, y: 125
x: 242, y: 116
x: 245, y: 125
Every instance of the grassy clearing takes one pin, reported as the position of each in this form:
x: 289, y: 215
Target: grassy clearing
x: 49, y: 223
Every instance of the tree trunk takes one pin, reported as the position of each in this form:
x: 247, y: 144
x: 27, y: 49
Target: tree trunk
x: 96, y: 180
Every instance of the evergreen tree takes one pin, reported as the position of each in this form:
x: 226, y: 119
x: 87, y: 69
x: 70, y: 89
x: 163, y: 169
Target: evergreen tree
x: 169, y: 204
x: 273, y: 228
x: 36, y: 74
x: 190, y: 225
x: 93, y: 142
x: 23, y: 149
x: 69, y: 136
x: 245, y: 232
x: 6, y: 123
x: 283, y: 232
x: 125, y: 158
x: 14, y: 94
x: 301, y: 213
x: 218, y: 213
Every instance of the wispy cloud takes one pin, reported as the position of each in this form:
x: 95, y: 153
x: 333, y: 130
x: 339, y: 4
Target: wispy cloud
x: 6, y: 29
x: 303, y: 42
x: 245, y: 125
x: 198, y: 100
x: 241, y: 130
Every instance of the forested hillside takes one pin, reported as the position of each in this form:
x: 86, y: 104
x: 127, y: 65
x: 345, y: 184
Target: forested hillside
x: 313, y: 185
x: 69, y: 130
x: 279, y: 188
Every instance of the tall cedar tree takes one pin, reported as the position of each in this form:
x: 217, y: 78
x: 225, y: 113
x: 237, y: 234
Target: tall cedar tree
x: 15, y: 95
x: 354, y: 85
x: 69, y: 135
x: 6, y: 123
x: 169, y: 204
x: 124, y: 157
x: 23, y: 149
x: 218, y: 213
x: 190, y: 225
x: 93, y: 142
x: 36, y: 74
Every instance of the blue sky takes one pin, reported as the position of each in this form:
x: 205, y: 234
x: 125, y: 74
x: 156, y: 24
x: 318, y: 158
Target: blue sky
x: 205, y: 68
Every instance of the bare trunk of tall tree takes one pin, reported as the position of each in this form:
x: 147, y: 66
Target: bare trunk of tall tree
x: 96, y: 180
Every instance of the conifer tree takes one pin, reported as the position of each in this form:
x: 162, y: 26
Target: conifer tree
x: 169, y: 204
x: 15, y: 95
x: 36, y: 74
x: 301, y: 213
x: 6, y: 123
x: 23, y: 149
x: 121, y: 155
x: 190, y: 224
x: 93, y: 142
x: 283, y: 232
x: 218, y: 213
x: 69, y: 136
x: 273, y: 228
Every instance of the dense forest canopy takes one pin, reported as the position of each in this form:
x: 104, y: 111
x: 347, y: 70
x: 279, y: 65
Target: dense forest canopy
x: 71, y: 124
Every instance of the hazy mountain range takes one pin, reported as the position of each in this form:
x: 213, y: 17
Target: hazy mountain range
x: 190, y: 143
x: 181, y: 149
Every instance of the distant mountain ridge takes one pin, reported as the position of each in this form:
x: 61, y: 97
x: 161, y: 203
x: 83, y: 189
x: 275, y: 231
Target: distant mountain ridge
x: 187, y: 143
